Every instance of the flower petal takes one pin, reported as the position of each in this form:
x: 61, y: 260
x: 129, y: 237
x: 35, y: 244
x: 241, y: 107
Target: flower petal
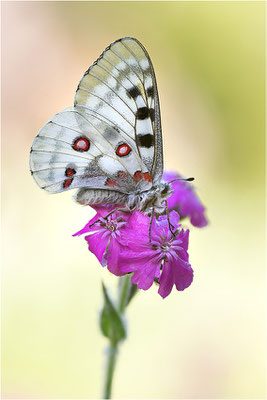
x: 97, y: 244
x: 166, y: 280
x: 137, y: 230
x: 113, y: 253
x: 144, y: 277
x: 198, y: 219
x: 175, y: 272
x: 183, y: 275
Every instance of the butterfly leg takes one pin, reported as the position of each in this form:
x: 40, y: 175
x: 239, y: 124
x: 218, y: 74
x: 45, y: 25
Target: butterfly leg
x: 171, y: 227
x: 111, y: 212
x: 150, y: 224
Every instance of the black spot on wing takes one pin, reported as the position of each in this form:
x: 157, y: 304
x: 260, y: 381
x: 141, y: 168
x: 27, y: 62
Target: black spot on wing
x: 150, y: 91
x: 145, y: 112
x: 134, y: 92
x: 142, y: 113
x: 152, y: 114
x: 145, y: 140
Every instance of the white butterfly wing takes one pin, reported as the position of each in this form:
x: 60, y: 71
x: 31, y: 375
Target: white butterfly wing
x: 74, y: 150
x: 111, y: 138
x: 121, y: 86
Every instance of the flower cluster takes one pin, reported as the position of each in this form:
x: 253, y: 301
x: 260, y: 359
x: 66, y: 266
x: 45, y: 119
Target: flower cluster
x: 121, y: 243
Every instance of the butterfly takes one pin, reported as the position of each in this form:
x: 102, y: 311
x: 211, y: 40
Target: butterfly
x: 109, y: 144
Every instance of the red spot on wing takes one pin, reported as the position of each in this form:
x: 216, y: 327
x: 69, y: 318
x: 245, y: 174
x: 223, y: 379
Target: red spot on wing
x: 122, y: 175
x: 110, y: 182
x: 70, y: 172
x: 123, y: 150
x: 147, y: 177
x: 138, y: 176
x: 81, y: 144
x: 67, y: 183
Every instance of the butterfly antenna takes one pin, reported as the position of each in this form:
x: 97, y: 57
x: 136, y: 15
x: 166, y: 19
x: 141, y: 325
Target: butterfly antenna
x: 183, y: 179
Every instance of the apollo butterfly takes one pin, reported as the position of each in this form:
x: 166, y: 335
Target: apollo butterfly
x: 109, y: 144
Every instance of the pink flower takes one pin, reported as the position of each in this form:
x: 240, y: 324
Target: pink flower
x: 164, y: 259
x: 185, y: 201
x: 121, y: 240
x: 104, y: 236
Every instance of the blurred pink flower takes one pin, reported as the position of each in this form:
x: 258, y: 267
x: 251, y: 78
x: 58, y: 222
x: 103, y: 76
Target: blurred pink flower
x: 185, y: 201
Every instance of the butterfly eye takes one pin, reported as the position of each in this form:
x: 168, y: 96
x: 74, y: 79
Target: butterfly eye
x: 165, y: 190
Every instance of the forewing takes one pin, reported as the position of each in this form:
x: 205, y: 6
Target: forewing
x: 120, y: 88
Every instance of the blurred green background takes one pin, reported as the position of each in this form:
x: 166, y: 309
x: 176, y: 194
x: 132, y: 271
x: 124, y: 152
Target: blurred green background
x: 207, y: 342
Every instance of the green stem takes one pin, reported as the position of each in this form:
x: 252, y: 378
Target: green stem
x: 112, y: 352
x: 124, y: 290
x: 124, y: 293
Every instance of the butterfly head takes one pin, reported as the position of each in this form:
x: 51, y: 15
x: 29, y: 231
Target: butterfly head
x: 165, y: 190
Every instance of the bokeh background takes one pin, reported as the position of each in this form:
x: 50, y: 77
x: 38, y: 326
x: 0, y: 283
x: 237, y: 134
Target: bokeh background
x: 206, y: 342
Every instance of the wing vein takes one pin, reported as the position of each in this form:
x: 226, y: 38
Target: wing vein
x: 122, y: 72
x: 102, y: 118
x: 134, y: 56
x: 59, y: 152
x: 117, y: 159
x: 142, y: 72
x: 136, y: 156
x: 105, y: 84
x: 127, y: 65
x: 93, y: 94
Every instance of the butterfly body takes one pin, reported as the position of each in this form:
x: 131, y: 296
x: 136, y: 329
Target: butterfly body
x: 146, y: 201
x: 109, y: 144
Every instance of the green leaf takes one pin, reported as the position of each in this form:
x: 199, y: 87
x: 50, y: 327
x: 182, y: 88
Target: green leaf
x: 111, y: 322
